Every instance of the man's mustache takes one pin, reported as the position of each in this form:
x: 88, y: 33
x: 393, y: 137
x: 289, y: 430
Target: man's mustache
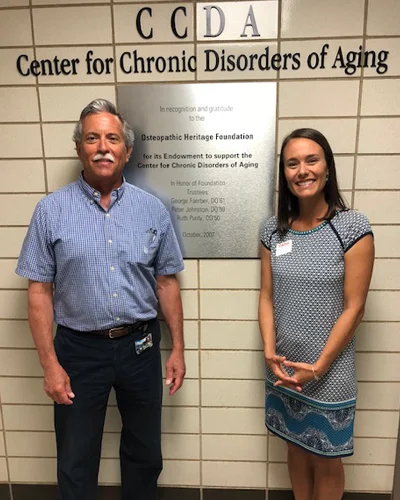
x: 107, y: 156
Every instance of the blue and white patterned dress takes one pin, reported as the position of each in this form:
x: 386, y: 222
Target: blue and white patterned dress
x: 308, y: 296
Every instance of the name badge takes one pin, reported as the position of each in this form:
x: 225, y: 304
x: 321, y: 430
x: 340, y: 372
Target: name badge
x: 143, y: 344
x: 282, y: 248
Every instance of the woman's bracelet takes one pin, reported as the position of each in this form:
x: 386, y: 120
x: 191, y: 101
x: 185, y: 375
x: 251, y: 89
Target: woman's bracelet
x: 315, y: 375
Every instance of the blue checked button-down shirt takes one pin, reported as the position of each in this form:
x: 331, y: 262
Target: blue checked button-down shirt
x: 103, y: 263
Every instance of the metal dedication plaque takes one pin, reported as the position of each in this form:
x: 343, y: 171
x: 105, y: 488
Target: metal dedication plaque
x: 207, y: 151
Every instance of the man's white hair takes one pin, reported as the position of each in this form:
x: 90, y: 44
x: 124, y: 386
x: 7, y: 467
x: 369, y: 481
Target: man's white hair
x: 103, y: 106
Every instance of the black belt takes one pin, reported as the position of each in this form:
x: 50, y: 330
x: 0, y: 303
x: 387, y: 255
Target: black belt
x: 119, y: 331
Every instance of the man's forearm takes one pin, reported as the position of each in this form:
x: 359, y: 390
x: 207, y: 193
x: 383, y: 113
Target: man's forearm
x: 169, y: 297
x: 41, y: 316
x: 57, y: 384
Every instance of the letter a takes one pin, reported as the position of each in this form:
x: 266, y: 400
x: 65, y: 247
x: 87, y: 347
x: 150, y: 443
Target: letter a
x: 251, y: 21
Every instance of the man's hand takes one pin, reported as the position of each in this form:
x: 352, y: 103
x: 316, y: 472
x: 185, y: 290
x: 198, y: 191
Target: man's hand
x: 276, y: 365
x: 175, y: 370
x: 57, y: 384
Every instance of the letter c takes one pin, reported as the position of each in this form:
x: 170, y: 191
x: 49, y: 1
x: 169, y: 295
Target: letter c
x: 22, y: 56
x: 122, y: 65
x: 173, y: 23
x: 139, y: 21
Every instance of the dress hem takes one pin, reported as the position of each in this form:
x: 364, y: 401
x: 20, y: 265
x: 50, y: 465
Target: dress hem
x: 307, y: 448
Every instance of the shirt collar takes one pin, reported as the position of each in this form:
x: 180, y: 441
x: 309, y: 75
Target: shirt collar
x: 93, y: 194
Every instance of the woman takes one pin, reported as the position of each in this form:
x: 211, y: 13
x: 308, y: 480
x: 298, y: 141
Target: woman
x: 316, y: 265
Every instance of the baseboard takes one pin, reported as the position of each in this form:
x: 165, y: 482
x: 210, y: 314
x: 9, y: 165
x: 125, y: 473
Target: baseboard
x: 288, y: 495
x: 49, y: 492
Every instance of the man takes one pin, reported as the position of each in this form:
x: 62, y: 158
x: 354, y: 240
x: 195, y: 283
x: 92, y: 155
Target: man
x: 109, y: 251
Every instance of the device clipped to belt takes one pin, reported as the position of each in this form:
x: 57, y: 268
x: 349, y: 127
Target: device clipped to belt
x: 144, y: 343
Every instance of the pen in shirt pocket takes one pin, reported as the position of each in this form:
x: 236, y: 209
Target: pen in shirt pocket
x: 153, y: 232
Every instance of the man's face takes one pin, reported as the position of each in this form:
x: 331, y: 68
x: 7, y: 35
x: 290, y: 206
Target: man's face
x: 102, y: 150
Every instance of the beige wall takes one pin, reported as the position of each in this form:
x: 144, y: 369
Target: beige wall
x: 213, y: 430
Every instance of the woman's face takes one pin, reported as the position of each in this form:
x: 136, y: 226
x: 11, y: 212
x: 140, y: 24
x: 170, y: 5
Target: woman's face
x: 305, y: 168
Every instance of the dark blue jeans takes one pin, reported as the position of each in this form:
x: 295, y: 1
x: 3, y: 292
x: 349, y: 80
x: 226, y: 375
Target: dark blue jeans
x: 96, y: 364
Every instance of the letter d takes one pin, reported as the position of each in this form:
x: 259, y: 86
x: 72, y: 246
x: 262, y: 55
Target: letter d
x: 208, y: 10
x: 208, y: 53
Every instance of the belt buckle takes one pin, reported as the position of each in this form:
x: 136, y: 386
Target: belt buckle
x: 116, y: 329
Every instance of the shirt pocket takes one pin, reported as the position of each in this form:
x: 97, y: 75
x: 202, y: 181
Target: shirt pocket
x: 139, y: 248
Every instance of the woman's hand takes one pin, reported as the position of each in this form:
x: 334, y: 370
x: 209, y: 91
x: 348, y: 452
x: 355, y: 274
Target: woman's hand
x: 303, y: 372
x: 276, y: 365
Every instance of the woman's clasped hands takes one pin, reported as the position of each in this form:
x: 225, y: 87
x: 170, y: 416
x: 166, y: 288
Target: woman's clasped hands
x: 303, y: 372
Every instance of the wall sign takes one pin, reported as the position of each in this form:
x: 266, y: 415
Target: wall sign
x: 252, y: 25
x: 207, y: 151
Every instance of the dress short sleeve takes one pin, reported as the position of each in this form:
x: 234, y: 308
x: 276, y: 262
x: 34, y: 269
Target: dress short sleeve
x: 269, y: 229
x: 351, y: 226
